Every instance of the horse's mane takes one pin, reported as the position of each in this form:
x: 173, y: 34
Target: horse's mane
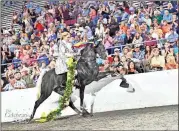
x: 87, y: 48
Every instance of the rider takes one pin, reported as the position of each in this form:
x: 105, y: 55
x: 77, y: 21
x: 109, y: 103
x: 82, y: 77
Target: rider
x: 65, y: 51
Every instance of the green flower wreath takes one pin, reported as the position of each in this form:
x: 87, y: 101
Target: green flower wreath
x: 68, y: 90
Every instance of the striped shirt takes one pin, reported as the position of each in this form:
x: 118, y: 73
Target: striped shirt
x: 20, y: 84
x: 8, y: 87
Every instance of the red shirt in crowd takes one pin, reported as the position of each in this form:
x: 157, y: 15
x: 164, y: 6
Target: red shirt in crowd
x: 127, y: 10
x: 39, y: 27
x: 151, y: 42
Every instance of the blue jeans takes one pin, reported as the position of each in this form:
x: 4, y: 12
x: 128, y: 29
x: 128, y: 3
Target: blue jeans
x: 119, y: 19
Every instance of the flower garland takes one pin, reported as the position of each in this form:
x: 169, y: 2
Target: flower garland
x: 65, y: 98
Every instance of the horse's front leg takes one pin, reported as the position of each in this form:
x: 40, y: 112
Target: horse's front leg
x: 125, y: 84
x: 102, y: 75
x: 84, y: 111
x: 82, y: 89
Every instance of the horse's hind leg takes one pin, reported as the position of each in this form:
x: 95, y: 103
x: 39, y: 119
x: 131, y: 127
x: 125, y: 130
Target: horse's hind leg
x: 37, y: 103
x: 101, y: 75
x: 124, y: 83
x: 44, y: 95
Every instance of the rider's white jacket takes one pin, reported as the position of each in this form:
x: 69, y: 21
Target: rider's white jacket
x: 65, y: 51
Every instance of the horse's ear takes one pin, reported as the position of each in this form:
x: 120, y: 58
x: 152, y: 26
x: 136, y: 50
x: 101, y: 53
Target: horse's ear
x: 81, y: 52
x: 96, y: 43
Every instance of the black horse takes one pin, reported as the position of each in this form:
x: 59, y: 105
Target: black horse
x: 87, y: 72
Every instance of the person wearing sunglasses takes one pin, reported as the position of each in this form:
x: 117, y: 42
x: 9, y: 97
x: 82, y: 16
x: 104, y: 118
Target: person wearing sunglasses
x: 10, y: 86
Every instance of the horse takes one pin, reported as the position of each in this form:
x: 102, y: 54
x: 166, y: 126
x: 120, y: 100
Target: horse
x: 87, y: 72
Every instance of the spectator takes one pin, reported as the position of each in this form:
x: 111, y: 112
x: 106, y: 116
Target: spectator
x: 172, y: 37
x: 137, y: 39
x: 39, y: 26
x: 165, y: 27
x: 123, y: 71
x: 28, y: 78
x: 171, y: 9
x: 11, y: 84
x: 124, y: 62
x: 157, y: 61
x: 16, y: 61
x: 108, y: 42
x: 131, y: 68
x: 119, y: 39
x: 129, y: 37
x: 170, y: 62
x: 115, y: 64
x: 10, y: 70
x: 20, y: 83
x: 167, y: 16
x: 150, y: 41
x: 148, y: 51
x: 117, y: 52
x: 147, y: 20
x: 138, y: 54
x: 157, y: 16
x: 123, y: 27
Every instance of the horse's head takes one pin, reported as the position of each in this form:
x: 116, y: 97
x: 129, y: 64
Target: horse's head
x: 100, y: 49
x: 93, y: 48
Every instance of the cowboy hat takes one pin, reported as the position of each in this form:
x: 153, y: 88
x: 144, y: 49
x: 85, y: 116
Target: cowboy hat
x: 116, y: 49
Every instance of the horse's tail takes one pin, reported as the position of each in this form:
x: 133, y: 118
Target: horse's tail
x: 39, y: 83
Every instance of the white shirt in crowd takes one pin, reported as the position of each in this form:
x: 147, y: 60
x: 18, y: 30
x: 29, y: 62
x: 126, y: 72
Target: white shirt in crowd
x: 131, y: 17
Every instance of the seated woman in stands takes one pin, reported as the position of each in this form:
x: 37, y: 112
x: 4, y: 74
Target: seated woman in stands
x: 132, y: 68
x: 123, y: 71
x: 157, y: 61
x: 115, y: 64
x: 170, y: 62
x: 148, y: 51
x: 167, y: 50
x: 124, y: 62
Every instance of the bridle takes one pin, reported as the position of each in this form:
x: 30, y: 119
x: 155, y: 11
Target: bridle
x: 94, y: 46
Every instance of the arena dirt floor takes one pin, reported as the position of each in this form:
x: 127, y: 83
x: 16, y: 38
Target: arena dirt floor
x: 156, y: 118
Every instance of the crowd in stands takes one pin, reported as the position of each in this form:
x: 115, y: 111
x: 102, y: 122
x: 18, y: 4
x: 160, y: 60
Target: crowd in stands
x: 137, y: 40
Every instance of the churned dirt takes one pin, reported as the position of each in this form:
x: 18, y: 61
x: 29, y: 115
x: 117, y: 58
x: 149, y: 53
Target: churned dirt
x: 156, y: 118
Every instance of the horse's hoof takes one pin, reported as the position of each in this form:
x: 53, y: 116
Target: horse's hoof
x: 85, y: 113
x: 81, y: 114
x: 130, y: 90
x: 91, y: 114
x: 28, y: 121
x: 124, y: 84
